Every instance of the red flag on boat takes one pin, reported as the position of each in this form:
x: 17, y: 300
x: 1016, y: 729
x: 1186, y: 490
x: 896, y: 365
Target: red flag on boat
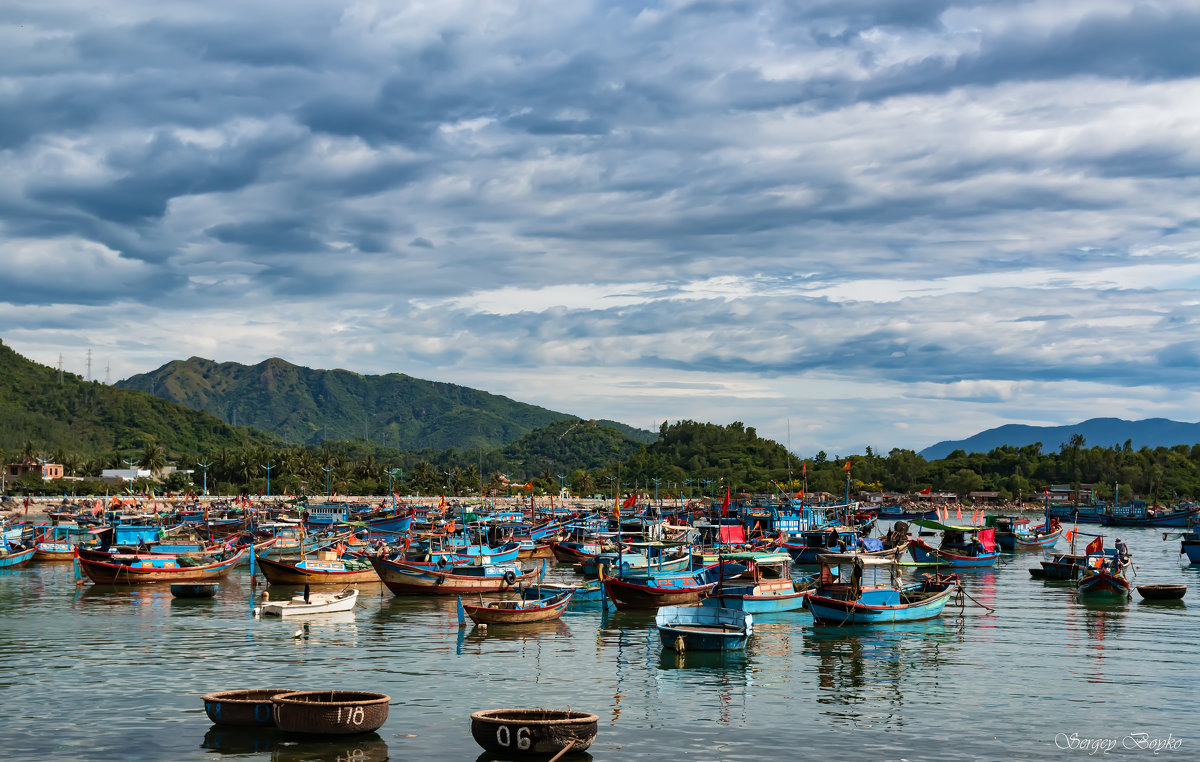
x: 725, y: 503
x: 1070, y: 535
x: 846, y: 467
x: 958, y: 512
x: 1095, y: 546
x: 926, y: 491
x: 804, y: 468
x: 630, y: 501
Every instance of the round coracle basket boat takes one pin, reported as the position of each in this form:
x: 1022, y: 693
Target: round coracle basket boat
x: 246, y: 708
x: 1162, y: 592
x: 533, y: 731
x: 330, y: 712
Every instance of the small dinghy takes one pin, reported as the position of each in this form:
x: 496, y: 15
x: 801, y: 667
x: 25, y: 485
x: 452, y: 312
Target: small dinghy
x: 310, y: 603
x: 1162, y: 592
x: 194, y: 589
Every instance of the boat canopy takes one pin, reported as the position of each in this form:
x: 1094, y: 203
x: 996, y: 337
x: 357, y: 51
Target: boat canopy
x: 931, y: 524
x: 854, y: 558
x: 758, y: 558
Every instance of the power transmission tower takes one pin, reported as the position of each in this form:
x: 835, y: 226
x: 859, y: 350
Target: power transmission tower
x: 89, y: 365
x: 60, y: 369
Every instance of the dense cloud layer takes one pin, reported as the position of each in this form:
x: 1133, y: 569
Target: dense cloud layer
x: 889, y: 222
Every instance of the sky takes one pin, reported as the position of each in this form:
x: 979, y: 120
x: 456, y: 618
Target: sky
x: 846, y: 224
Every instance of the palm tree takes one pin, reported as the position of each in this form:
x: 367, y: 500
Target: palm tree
x: 154, y: 459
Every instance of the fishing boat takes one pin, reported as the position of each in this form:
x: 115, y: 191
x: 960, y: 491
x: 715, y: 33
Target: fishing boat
x: 408, y: 578
x: 962, y: 547
x: 841, y: 598
x: 664, y: 589
x: 896, y: 511
x: 702, y: 628
x: 519, y: 611
x: 1060, y: 566
x: 1141, y: 515
x: 310, y: 603
x: 766, y: 586
x: 591, y: 591
x: 327, y: 569
x: 1014, y: 532
x: 12, y: 558
x: 1103, y: 575
x: 140, y: 570
x: 1190, y: 544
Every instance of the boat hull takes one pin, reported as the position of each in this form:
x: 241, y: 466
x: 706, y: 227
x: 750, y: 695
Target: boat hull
x: 757, y: 604
x: 286, y: 573
x: 923, y: 553
x: 630, y: 595
x: 103, y: 573
x: 1192, y: 549
x: 697, y: 628
x: 17, y: 559
x: 496, y: 616
x: 830, y: 611
x: 410, y: 579
x: 327, y: 603
x: 1102, y: 583
x: 1176, y: 519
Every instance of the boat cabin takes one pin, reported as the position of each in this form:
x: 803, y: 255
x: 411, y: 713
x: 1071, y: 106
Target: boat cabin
x: 326, y: 514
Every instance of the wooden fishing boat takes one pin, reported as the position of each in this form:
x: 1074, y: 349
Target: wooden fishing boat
x: 406, y: 578
x: 1190, y: 544
x: 1061, y: 566
x: 533, y: 732
x: 1142, y: 516
x: 962, y: 547
x: 123, y: 570
x: 652, y: 593
x: 591, y: 591
x: 1102, y: 575
x: 1162, y: 592
x: 518, y: 612
x: 575, y: 552
x: 194, y: 589
x: 13, y: 559
x: 766, y: 586
x: 703, y: 628
x: 310, y: 603
x: 842, y: 599
x: 315, y: 571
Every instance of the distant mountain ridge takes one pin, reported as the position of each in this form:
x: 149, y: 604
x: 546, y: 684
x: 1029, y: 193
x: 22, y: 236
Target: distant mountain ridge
x: 307, y: 406
x: 1103, y: 432
x: 63, y: 412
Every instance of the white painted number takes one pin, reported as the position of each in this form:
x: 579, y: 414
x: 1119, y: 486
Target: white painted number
x: 502, y: 736
x: 523, y: 739
x: 354, y: 715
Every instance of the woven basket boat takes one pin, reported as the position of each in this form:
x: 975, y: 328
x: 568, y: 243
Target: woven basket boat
x: 330, y: 712
x: 246, y: 708
x: 521, y: 732
x: 1162, y: 592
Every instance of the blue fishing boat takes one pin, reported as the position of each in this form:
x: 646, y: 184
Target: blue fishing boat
x: 901, y: 512
x: 666, y: 588
x: 962, y: 547
x: 766, y: 586
x: 1016, y: 533
x: 842, y: 598
x: 701, y: 628
x: 1141, y: 515
x: 12, y: 558
x: 1190, y: 544
x: 590, y: 592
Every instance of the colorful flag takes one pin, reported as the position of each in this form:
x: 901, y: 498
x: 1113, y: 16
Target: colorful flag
x: 1095, y: 546
x: 630, y: 501
x: 846, y: 467
x: 926, y: 491
x: 725, y: 503
x: 804, y: 469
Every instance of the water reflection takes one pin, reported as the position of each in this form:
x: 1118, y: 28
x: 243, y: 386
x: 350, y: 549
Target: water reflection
x: 864, y: 671
x: 573, y: 756
x: 289, y: 748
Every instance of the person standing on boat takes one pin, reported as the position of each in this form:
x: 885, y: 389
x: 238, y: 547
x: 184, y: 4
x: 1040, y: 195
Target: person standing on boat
x: 1122, y: 548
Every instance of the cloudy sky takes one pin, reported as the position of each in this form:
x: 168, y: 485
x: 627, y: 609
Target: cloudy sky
x: 869, y: 223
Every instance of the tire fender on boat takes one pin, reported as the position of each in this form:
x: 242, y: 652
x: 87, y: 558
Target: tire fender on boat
x: 510, y: 577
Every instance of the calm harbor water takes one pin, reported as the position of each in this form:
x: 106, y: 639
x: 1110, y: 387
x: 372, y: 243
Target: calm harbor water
x: 106, y: 673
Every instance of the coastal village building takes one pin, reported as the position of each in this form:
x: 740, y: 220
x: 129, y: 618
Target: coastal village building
x: 984, y: 498
x: 47, y: 471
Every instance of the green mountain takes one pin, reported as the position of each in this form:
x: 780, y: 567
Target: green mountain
x: 567, y: 446
x: 306, y: 406
x: 63, y: 412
